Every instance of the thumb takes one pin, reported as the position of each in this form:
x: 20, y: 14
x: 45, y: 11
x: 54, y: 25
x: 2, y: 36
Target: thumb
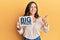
x: 45, y: 16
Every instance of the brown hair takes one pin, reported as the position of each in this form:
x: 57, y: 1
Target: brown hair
x: 27, y: 13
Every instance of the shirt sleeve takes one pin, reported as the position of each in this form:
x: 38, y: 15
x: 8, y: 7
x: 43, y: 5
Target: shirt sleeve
x: 45, y: 28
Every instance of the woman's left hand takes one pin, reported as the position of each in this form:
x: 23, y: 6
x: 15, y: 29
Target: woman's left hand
x: 44, y: 21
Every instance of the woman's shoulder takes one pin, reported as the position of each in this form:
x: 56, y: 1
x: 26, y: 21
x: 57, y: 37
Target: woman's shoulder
x: 39, y: 18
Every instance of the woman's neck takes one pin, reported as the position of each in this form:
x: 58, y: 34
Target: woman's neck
x: 32, y: 16
x: 34, y: 19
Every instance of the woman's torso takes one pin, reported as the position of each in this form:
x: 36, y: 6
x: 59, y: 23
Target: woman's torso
x: 32, y: 32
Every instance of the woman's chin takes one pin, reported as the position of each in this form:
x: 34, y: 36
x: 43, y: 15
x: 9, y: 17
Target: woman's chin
x: 33, y: 13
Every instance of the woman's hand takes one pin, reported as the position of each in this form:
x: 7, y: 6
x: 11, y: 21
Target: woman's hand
x: 18, y: 26
x: 44, y: 21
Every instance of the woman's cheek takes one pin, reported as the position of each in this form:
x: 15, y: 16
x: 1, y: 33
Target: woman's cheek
x: 35, y: 10
x: 32, y: 10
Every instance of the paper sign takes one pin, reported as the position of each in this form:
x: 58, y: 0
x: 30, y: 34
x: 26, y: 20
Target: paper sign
x: 25, y: 21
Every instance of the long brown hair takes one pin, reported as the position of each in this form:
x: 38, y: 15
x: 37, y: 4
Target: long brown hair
x: 27, y: 13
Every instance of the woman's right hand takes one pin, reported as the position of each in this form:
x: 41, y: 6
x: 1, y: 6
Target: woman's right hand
x: 18, y: 26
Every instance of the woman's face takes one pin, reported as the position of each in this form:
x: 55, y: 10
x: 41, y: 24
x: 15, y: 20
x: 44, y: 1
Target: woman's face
x: 33, y: 9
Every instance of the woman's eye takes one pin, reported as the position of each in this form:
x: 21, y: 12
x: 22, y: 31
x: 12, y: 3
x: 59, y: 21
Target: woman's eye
x: 33, y: 7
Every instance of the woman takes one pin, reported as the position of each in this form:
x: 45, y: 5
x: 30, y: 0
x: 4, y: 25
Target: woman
x: 33, y: 32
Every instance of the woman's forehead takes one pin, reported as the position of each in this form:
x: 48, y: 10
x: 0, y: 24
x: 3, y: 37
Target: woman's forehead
x: 33, y: 4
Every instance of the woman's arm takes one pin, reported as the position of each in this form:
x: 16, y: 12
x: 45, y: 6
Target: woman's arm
x: 45, y: 25
x: 19, y: 28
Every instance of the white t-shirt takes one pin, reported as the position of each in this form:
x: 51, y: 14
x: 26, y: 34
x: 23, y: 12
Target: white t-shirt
x: 33, y: 31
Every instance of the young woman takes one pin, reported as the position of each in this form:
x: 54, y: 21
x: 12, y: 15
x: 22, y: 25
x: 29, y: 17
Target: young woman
x: 33, y: 32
